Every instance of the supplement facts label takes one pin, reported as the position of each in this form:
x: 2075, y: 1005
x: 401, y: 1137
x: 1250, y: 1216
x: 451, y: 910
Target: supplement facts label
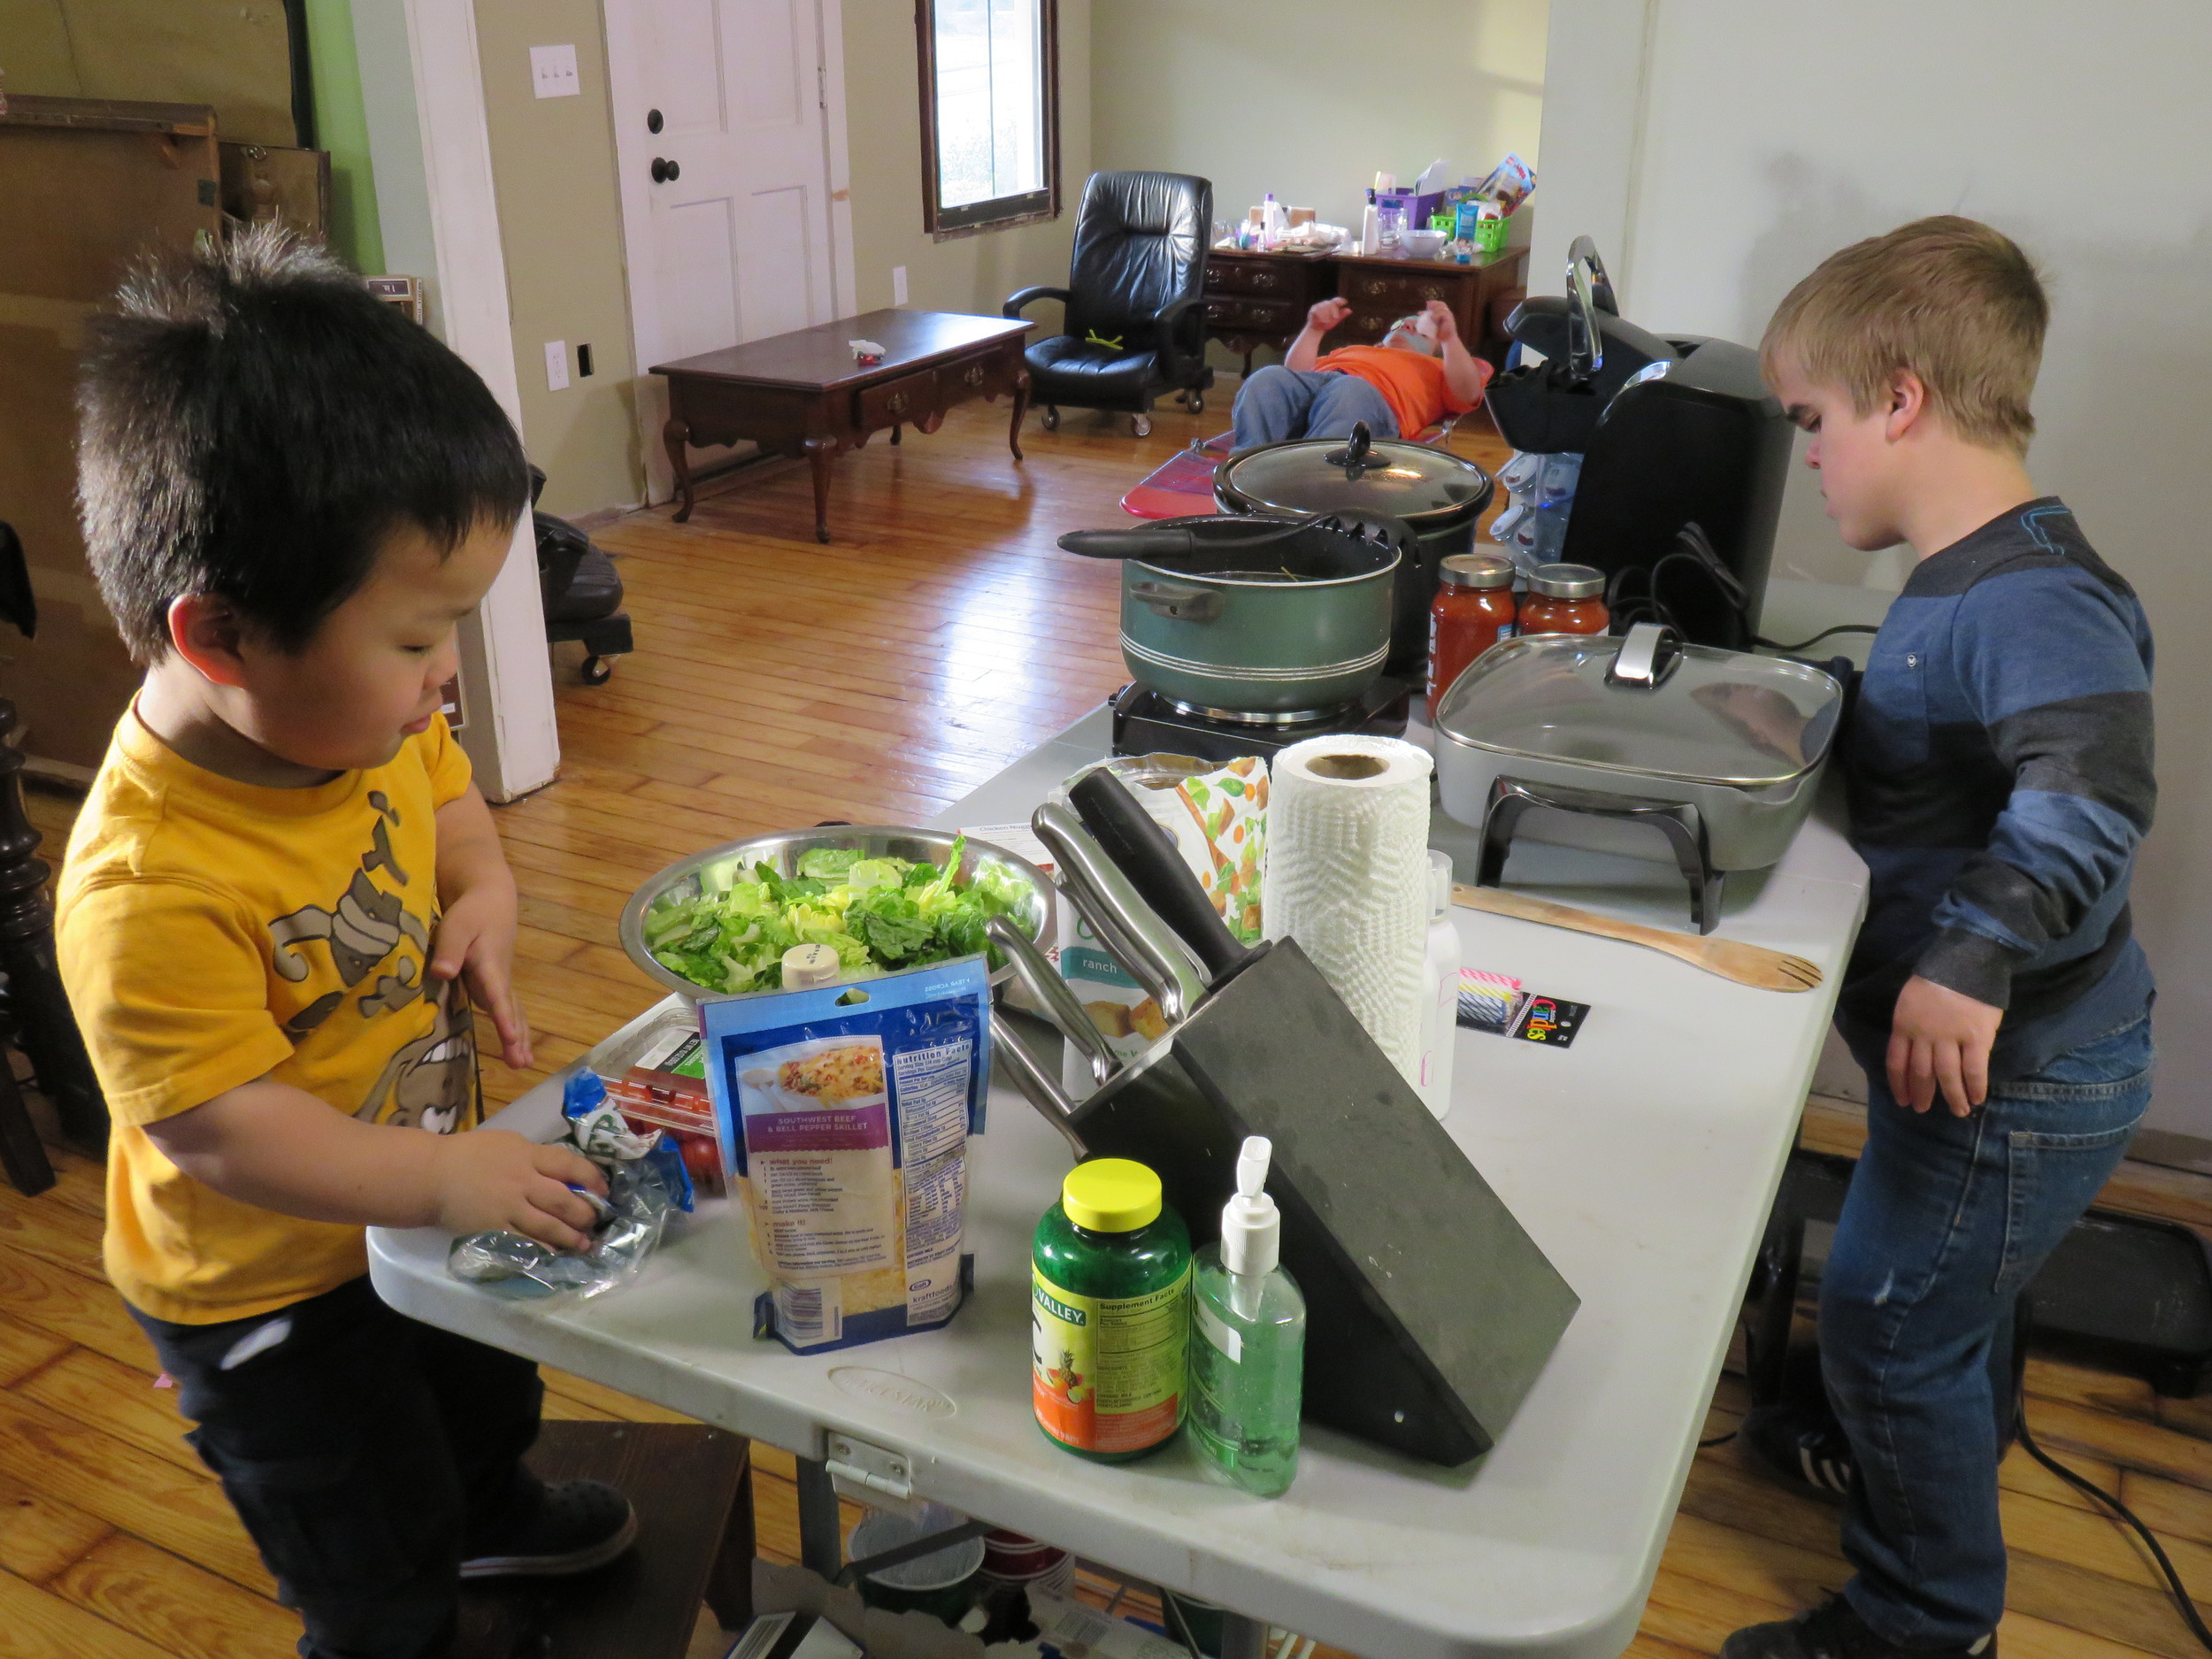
x: 1107, y: 1373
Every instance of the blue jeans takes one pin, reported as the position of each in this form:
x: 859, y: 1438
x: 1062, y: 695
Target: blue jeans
x: 1947, y: 1219
x: 1276, y: 404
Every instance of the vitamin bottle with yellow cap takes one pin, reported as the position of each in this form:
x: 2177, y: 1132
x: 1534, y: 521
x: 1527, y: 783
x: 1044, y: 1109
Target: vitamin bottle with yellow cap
x: 1108, y: 1307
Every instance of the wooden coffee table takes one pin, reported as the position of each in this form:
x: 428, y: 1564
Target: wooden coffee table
x: 804, y: 394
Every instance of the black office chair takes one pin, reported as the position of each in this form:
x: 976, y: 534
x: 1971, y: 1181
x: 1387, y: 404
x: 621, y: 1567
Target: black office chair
x: 1135, y: 327
x: 581, y: 589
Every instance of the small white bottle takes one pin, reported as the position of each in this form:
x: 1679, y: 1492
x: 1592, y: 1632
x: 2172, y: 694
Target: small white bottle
x: 1274, y: 222
x: 1248, y: 1341
x: 1439, y: 1018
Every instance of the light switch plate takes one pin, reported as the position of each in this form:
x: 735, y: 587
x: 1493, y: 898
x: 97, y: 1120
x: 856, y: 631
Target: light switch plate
x: 553, y: 72
x: 556, y: 365
x: 898, y: 285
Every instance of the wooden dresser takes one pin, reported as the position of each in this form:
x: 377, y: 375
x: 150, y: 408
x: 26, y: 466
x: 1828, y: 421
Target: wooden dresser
x: 1261, y: 299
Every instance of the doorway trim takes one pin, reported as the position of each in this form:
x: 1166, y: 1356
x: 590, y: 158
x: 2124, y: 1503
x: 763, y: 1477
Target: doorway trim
x: 647, y: 331
x: 422, y: 91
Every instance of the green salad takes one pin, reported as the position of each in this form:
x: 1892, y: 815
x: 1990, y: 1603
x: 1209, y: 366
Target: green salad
x: 878, y: 914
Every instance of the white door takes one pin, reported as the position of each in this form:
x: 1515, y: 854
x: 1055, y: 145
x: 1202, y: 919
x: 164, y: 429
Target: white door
x: 721, y: 135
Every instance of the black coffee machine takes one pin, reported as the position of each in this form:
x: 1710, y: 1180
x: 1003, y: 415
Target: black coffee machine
x: 1673, y: 432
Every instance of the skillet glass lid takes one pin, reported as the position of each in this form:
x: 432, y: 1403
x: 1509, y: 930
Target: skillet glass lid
x: 1713, y: 716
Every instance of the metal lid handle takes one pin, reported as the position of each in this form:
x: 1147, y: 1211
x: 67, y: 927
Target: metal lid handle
x: 1646, y: 657
x: 1586, y: 281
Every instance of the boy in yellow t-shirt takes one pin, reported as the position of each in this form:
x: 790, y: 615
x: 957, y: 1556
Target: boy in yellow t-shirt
x: 279, y: 899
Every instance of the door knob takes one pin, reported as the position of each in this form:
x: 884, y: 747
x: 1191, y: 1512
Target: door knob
x: 666, y: 171
x: 652, y: 120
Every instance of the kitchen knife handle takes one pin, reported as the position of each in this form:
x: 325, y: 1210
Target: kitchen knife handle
x: 1128, y: 927
x: 1046, y: 984
x: 1023, y: 1070
x: 1144, y: 853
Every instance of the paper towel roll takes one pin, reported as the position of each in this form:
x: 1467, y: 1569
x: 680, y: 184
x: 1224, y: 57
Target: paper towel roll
x: 1347, y: 876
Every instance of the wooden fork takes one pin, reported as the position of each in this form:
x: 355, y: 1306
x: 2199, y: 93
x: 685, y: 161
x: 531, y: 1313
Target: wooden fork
x: 1748, y: 964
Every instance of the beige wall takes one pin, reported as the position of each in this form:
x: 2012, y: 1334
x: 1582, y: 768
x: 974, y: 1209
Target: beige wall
x: 883, y: 121
x: 561, y: 229
x: 1308, y: 98
x: 1766, y: 108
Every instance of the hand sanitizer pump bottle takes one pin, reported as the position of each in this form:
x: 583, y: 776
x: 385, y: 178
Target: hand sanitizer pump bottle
x: 1248, y: 1341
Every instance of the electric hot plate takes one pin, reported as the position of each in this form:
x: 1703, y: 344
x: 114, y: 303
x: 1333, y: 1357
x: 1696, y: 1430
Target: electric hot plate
x: 1147, y: 723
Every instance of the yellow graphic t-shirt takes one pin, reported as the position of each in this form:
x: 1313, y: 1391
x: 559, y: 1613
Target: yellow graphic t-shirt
x: 212, y: 933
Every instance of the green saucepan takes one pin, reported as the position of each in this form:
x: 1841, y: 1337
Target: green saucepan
x: 1260, y: 617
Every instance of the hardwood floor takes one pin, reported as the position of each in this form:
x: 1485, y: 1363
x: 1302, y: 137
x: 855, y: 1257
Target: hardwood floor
x: 780, y: 683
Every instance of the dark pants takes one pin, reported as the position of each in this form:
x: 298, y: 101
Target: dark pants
x: 1947, y: 1222
x: 367, y: 1454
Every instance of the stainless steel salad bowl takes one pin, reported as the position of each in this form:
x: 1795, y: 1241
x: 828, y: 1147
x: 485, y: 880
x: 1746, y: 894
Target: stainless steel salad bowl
x: 717, y: 867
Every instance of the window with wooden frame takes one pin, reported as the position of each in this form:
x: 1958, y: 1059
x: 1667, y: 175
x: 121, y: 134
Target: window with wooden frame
x: 990, y: 112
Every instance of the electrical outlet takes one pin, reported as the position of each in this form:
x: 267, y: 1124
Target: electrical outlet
x: 556, y: 365
x: 898, y: 285
x: 553, y: 72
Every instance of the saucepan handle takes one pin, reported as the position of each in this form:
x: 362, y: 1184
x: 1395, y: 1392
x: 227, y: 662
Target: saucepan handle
x: 1141, y: 851
x: 1177, y: 602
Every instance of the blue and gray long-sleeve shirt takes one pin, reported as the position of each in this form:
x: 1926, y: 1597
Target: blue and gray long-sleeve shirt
x: 1999, y: 764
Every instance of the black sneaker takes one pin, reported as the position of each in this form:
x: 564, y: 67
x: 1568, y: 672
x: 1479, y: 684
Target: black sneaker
x: 1833, y: 1631
x: 580, y: 1525
x: 1806, y: 1448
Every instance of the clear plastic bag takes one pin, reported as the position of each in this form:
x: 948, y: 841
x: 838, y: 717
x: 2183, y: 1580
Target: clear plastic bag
x: 646, y: 1183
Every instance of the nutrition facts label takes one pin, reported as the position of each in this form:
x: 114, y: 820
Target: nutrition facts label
x: 931, y: 1086
x: 935, y: 1195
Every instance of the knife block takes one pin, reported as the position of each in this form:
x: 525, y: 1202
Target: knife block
x: 1430, y: 1311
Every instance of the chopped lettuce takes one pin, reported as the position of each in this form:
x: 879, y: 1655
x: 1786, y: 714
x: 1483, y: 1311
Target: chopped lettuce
x: 876, y: 914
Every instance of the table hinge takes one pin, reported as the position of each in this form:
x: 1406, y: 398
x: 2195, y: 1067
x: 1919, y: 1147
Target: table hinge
x: 869, y: 1474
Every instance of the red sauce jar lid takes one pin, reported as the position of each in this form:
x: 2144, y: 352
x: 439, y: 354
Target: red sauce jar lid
x: 1567, y: 581
x: 1476, y: 570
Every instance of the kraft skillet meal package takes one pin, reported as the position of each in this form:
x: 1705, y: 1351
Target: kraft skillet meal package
x: 844, y: 1115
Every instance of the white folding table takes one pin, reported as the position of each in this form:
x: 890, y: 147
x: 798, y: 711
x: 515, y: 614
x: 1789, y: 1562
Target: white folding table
x: 1643, y: 1160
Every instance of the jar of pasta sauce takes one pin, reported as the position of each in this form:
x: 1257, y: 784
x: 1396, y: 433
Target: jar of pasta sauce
x: 1565, y: 599
x: 1474, y: 610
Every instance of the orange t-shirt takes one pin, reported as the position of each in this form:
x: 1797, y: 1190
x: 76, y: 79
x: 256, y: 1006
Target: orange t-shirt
x: 1413, y: 385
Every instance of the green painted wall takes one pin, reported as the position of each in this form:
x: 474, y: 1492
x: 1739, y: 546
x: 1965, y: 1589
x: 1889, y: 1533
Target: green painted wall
x: 342, y: 129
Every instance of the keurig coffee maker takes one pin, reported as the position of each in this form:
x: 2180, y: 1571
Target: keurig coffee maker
x: 1671, y: 432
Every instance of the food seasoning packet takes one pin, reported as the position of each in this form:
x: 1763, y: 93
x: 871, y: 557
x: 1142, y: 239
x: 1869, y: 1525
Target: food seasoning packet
x: 845, y: 1114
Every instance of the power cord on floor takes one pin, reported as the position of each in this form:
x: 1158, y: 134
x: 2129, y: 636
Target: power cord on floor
x: 2178, y: 1591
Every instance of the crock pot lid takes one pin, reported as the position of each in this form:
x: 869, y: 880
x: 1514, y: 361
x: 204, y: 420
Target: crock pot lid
x: 1546, y: 697
x: 1405, y: 481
